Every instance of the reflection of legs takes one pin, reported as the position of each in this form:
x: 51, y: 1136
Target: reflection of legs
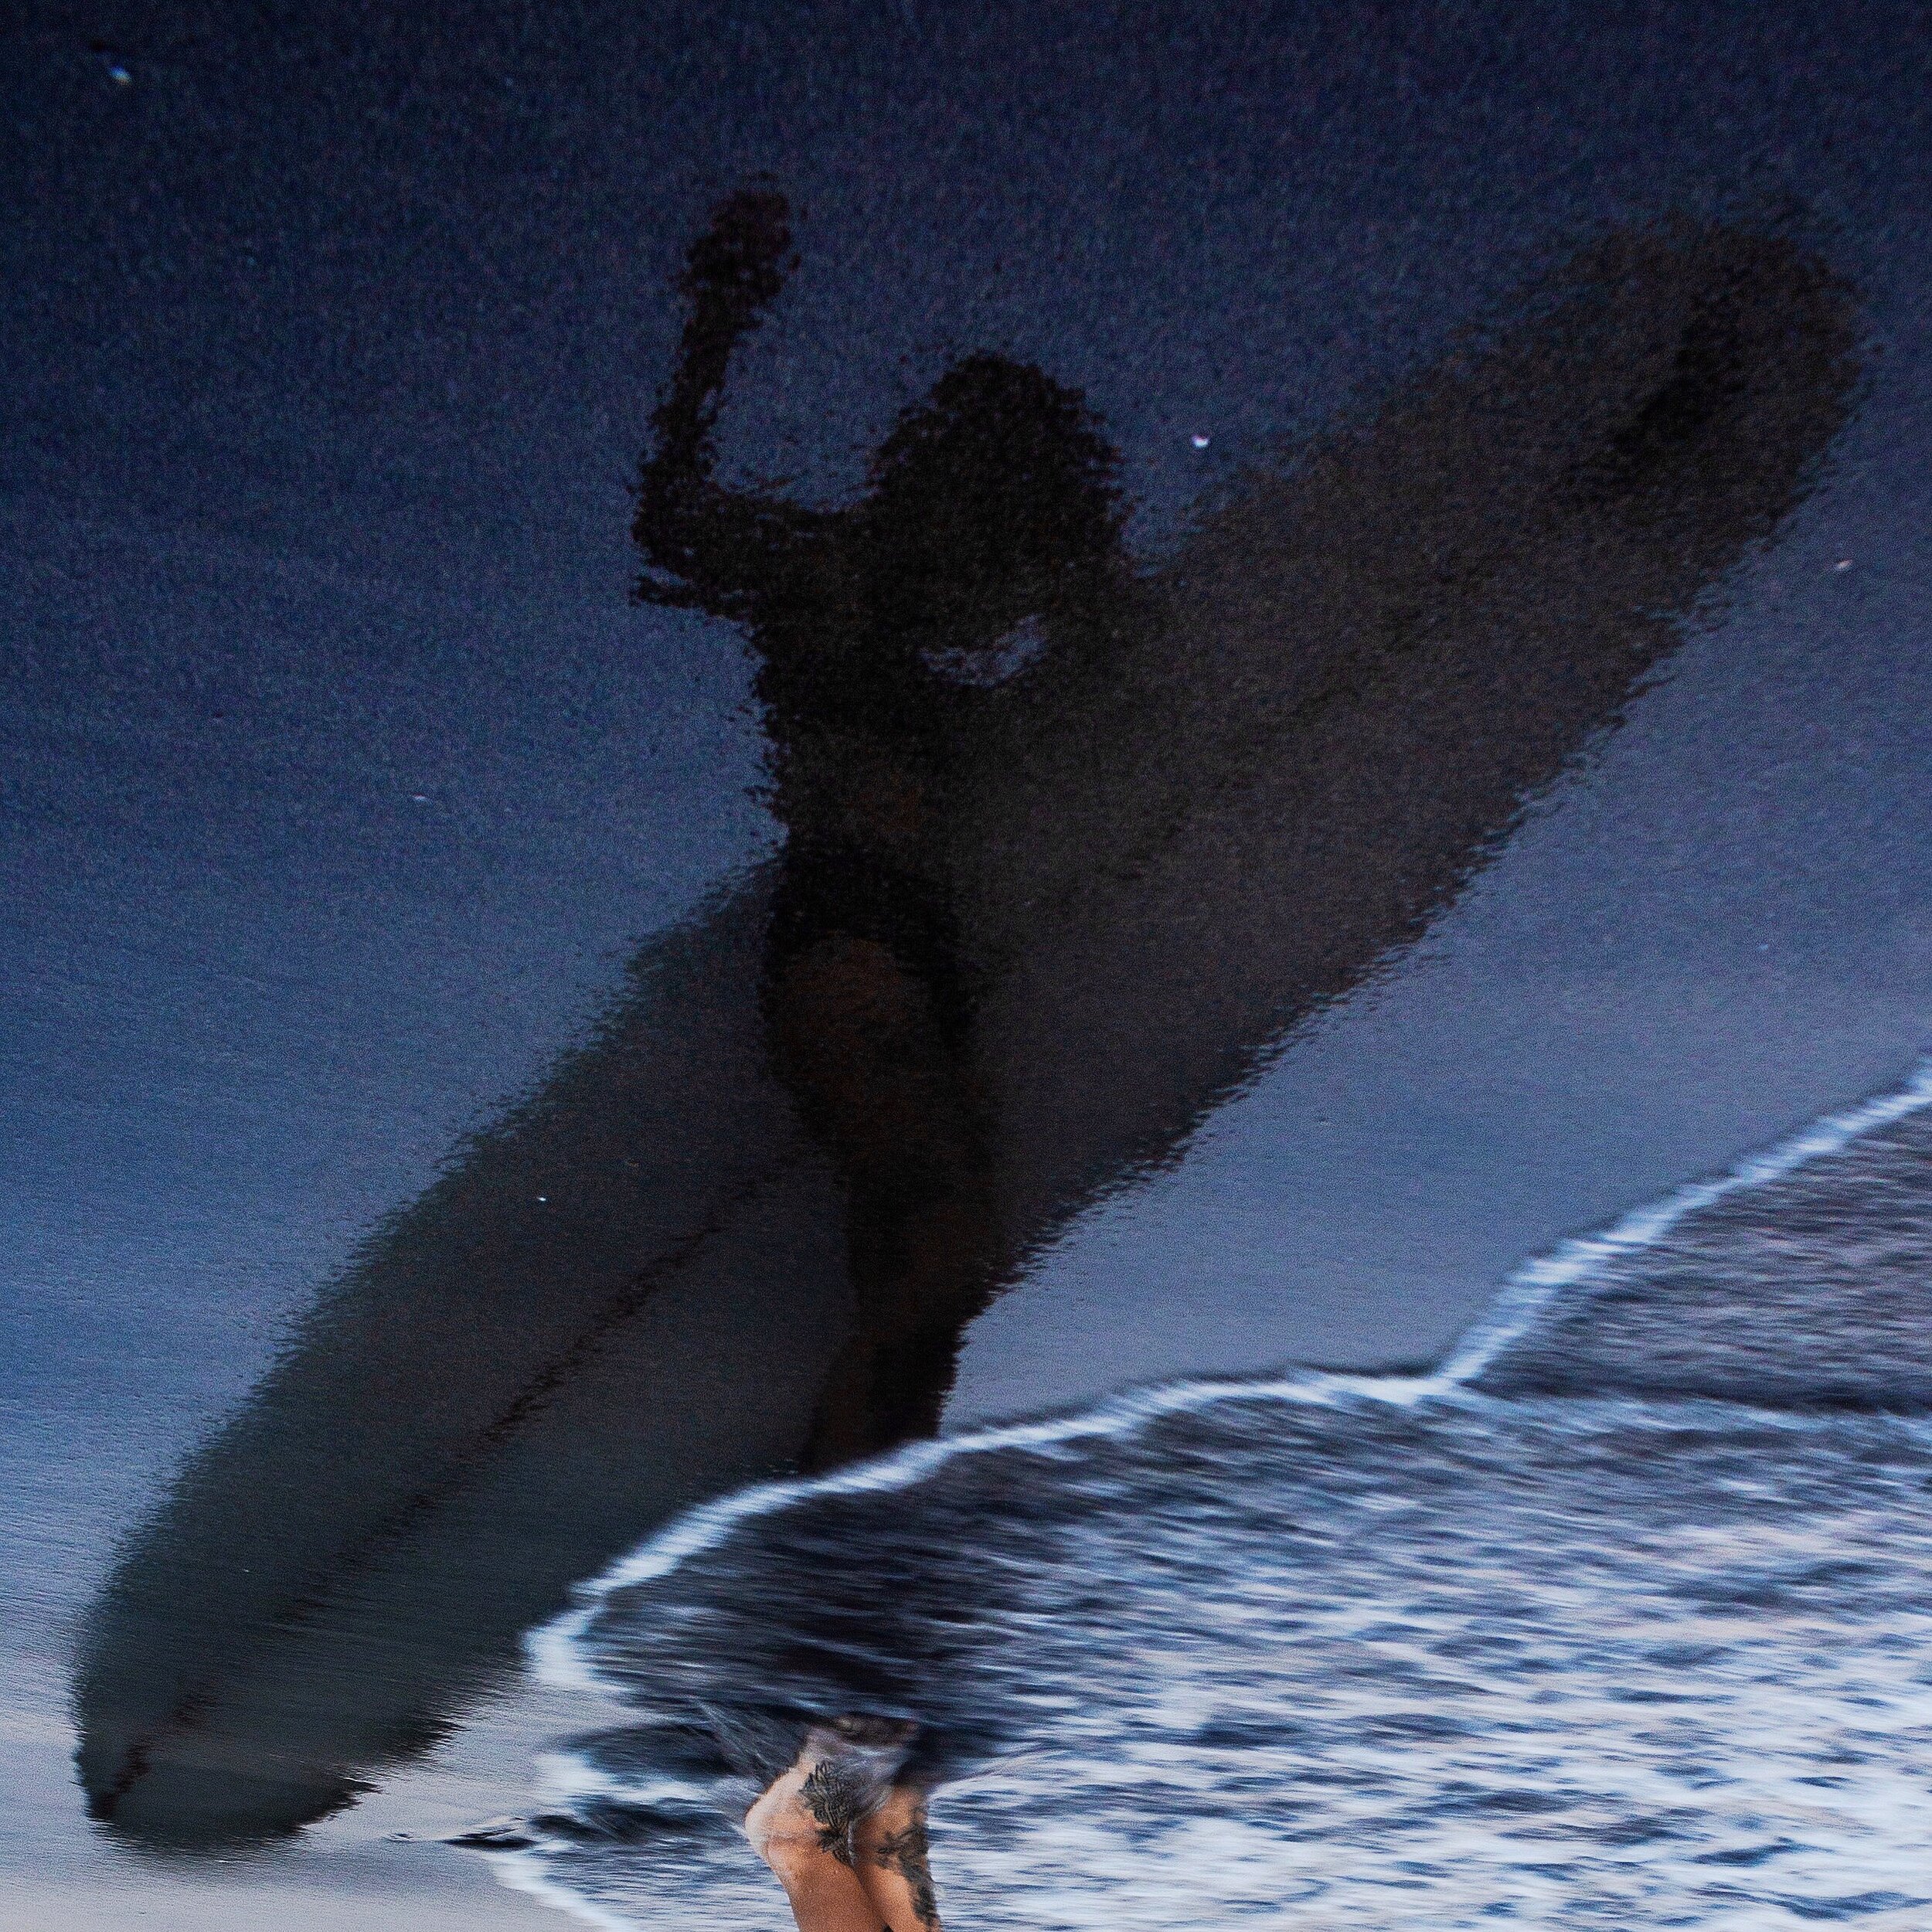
x: 856, y: 1035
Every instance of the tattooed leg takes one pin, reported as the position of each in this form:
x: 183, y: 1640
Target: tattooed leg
x: 810, y: 1825
x: 893, y: 1865
x: 836, y: 1798
x: 823, y: 1890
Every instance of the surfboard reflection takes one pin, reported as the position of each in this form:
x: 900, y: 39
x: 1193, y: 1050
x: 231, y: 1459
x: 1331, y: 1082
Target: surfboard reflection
x: 1074, y: 840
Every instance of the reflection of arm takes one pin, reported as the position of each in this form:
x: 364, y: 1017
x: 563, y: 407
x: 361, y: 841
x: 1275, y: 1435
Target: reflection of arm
x: 705, y: 546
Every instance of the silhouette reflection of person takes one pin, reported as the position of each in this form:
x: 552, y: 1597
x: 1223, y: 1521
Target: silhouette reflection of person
x: 876, y: 628
x: 1026, y: 932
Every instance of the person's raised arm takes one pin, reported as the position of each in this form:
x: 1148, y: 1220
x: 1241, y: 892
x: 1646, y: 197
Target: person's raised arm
x: 706, y: 546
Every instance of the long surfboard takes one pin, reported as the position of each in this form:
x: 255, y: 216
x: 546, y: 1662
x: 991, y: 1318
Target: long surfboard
x: 1175, y: 842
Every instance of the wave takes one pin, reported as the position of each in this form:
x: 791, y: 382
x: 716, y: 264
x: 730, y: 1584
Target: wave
x: 1551, y: 1631
x: 1540, y: 1299
x: 1548, y: 1302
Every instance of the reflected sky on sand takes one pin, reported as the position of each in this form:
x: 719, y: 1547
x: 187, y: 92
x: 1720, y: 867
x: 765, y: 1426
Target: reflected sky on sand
x: 1282, y: 662
x: 1020, y: 939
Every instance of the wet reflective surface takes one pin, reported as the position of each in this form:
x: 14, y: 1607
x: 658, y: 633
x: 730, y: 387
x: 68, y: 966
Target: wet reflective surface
x: 1398, y: 1652
x: 535, y: 1099
x: 903, y: 1064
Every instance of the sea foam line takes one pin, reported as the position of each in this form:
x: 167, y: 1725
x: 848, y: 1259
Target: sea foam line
x: 527, y: 1872
x: 555, y: 1649
x: 1524, y: 1295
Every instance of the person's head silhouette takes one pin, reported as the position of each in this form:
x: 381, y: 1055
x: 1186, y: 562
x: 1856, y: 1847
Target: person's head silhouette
x: 992, y: 501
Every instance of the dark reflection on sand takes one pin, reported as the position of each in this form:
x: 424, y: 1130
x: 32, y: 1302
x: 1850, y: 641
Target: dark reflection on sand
x: 1072, y: 840
x: 878, y: 631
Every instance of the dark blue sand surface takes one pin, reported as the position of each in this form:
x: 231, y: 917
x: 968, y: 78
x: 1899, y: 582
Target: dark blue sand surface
x: 340, y: 780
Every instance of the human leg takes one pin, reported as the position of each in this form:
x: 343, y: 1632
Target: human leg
x: 855, y: 1034
x: 890, y: 1853
x: 820, y: 1879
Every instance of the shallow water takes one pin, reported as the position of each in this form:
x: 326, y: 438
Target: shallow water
x: 1587, y: 1644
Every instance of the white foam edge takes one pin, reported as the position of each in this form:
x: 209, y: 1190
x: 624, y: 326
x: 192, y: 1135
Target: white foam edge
x: 553, y: 1648
x: 1524, y: 1294
x: 558, y: 1656
x: 528, y: 1871
x: 563, y: 1775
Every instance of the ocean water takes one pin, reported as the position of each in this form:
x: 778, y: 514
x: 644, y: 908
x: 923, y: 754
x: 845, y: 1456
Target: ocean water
x: 1622, y: 1619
